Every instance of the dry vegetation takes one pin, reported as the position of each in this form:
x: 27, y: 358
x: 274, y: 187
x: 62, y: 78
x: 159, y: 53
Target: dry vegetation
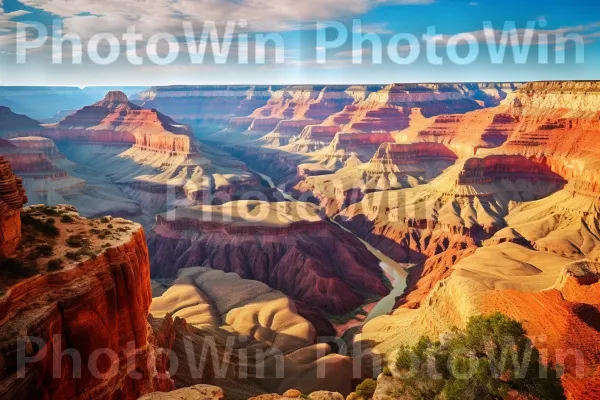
x: 56, y: 238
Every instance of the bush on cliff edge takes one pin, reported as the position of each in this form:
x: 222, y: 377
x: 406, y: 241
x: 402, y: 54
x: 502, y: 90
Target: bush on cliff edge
x: 489, y: 360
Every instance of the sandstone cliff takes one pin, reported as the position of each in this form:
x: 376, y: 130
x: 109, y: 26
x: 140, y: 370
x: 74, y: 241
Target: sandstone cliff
x: 72, y: 287
x: 285, y: 245
x: 115, y: 120
x: 394, y: 166
x: 470, y: 198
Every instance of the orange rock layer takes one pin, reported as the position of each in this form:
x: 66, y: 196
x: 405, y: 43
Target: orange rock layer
x: 12, y: 199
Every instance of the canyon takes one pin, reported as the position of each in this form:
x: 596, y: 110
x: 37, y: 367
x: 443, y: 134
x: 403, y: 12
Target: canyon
x: 278, y: 214
x: 285, y: 245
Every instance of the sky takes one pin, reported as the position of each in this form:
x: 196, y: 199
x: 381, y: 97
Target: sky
x: 461, y: 52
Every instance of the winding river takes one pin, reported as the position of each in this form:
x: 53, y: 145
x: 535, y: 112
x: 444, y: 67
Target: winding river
x: 394, y: 270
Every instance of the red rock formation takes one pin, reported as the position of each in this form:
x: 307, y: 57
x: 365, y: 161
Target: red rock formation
x: 423, y: 277
x: 564, y: 324
x: 394, y: 154
x: 40, y: 144
x: 285, y: 131
x: 26, y: 161
x: 116, y: 120
x: 313, y: 138
x: 495, y: 167
x: 311, y: 261
x: 40, y: 174
x: 558, y: 126
x: 12, y: 199
x: 208, y: 108
x: 100, y: 303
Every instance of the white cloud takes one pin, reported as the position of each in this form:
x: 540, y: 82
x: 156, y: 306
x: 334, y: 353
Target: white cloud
x: 151, y: 16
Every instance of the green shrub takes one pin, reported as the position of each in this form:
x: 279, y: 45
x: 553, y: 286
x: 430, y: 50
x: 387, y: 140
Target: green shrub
x: 105, y: 220
x: 75, y: 241
x: 366, y: 389
x: 48, y: 211
x: 55, y: 265
x: 44, y: 250
x: 387, y: 371
x: 47, y: 229
x: 491, y: 358
x: 51, y: 221
x: 67, y: 219
x: 79, y: 254
x: 73, y: 255
x: 109, y: 226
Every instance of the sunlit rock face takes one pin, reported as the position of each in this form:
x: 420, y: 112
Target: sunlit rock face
x: 45, y: 146
x: 275, y: 348
x: 41, y: 176
x: 394, y: 166
x: 286, y: 245
x: 48, y: 178
x: 558, y: 127
x: 12, y: 199
x: 91, y: 302
x: 471, y: 199
x: 539, y: 264
x: 115, y: 120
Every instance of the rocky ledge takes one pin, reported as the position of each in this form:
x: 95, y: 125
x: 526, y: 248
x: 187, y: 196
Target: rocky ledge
x: 79, y: 284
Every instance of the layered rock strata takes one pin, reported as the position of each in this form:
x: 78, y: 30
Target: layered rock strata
x: 12, y: 199
x: 97, y: 301
x: 285, y: 245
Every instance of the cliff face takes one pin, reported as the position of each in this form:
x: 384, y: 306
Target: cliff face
x: 12, y: 198
x: 207, y: 108
x: 393, y: 157
x: 42, y: 145
x: 558, y: 125
x: 15, y: 125
x: 42, y: 177
x: 471, y: 198
x: 393, y: 167
x: 100, y: 301
x: 290, y: 249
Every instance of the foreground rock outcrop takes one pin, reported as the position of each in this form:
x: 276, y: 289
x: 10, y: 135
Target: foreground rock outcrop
x: 256, y: 339
x: 285, y: 245
x: 71, y: 283
x: 196, y: 392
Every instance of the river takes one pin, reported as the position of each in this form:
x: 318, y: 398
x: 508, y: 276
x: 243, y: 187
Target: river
x: 395, y: 271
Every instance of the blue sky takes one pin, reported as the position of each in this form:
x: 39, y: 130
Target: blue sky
x: 294, y: 21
